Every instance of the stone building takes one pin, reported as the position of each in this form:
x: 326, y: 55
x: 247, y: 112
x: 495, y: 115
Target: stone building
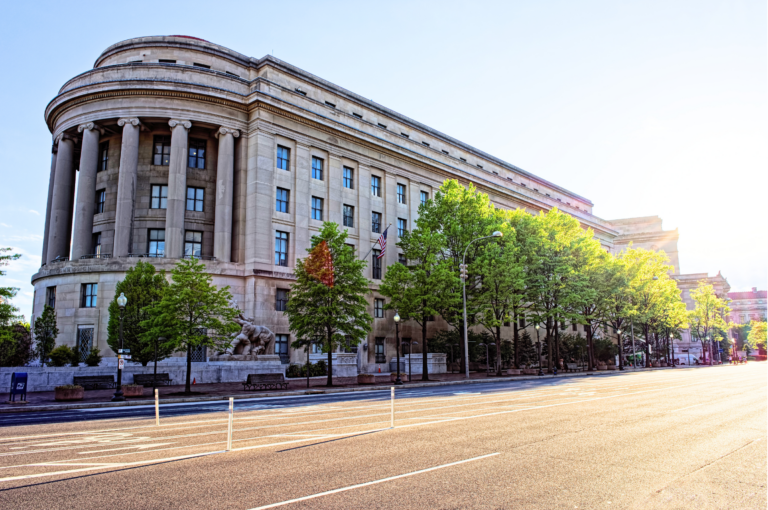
x: 174, y: 147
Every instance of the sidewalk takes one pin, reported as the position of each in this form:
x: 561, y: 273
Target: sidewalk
x: 44, y: 401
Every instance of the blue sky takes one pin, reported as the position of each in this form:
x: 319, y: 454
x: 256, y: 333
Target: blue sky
x: 646, y: 108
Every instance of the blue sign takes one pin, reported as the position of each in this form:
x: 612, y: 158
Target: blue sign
x: 18, y: 386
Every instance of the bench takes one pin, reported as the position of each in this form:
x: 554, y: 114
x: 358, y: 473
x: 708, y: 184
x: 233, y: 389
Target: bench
x: 572, y: 367
x: 265, y: 381
x: 94, y: 382
x: 146, y: 379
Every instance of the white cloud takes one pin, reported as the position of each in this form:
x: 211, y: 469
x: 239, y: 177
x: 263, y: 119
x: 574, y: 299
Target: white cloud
x: 34, y: 212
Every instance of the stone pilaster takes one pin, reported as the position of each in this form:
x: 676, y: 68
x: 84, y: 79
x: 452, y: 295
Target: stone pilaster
x: 177, y: 189
x: 44, y: 258
x: 60, y: 224
x: 259, y: 234
x: 222, y: 229
x: 126, y: 187
x: 86, y: 191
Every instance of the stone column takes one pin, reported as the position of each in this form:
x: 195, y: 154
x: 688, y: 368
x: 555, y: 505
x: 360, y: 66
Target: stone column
x: 44, y: 258
x: 177, y: 189
x: 260, y: 168
x: 60, y: 224
x: 225, y: 171
x: 126, y: 187
x: 86, y: 190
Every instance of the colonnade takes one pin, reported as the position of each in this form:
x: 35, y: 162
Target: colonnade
x: 62, y: 209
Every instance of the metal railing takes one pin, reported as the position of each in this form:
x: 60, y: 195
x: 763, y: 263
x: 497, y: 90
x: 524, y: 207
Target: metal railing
x: 199, y: 257
x: 97, y: 256
x: 61, y: 259
x: 147, y: 255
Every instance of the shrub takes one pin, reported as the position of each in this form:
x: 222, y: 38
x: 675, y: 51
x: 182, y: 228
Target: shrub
x: 93, y: 359
x: 60, y: 356
x: 315, y: 370
x: 69, y: 387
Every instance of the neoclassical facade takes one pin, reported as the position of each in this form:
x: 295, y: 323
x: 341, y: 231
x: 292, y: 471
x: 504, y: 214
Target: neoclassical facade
x: 175, y: 147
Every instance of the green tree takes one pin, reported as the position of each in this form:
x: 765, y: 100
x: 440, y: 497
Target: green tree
x: 708, y: 315
x: 46, y: 331
x: 336, y: 314
x: 143, y: 287
x: 16, y: 348
x: 757, y: 334
x: 192, y: 312
x: 9, y: 314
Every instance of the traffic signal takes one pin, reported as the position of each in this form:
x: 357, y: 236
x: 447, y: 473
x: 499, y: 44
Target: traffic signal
x: 463, y: 271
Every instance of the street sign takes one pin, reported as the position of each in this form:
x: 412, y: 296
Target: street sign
x: 123, y: 351
x: 126, y: 356
x: 120, y: 363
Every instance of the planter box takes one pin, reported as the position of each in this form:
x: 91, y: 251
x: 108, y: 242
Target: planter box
x: 663, y: 363
x: 612, y: 367
x: 133, y: 391
x: 602, y: 367
x: 655, y: 364
x: 514, y: 371
x: 68, y: 394
x: 530, y: 371
x: 366, y: 379
x: 393, y: 377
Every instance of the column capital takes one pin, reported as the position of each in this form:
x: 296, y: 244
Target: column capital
x: 65, y: 136
x: 133, y: 121
x: 174, y: 123
x: 227, y: 131
x: 90, y: 126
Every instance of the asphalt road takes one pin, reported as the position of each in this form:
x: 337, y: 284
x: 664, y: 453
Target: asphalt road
x: 679, y: 438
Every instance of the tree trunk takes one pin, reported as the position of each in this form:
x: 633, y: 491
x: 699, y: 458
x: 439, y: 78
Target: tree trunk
x: 549, y: 344
x: 329, y: 381
x: 620, y: 345
x: 187, y: 387
x: 557, y: 345
x: 424, y: 372
x: 498, y: 351
x: 516, y: 338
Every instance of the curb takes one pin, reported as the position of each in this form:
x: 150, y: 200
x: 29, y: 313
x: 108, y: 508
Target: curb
x: 319, y: 390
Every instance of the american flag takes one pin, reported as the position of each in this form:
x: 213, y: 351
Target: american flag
x: 382, y: 241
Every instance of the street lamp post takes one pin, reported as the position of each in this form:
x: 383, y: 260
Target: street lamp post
x: 672, y: 349
x: 121, y: 302
x: 621, y: 351
x: 464, y: 298
x: 538, y: 348
x: 398, y: 382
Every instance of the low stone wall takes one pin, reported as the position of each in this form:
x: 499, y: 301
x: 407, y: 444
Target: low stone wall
x: 436, y: 363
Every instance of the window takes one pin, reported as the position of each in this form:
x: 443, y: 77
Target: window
x: 204, y: 66
x: 425, y: 143
x: 159, y: 198
x: 424, y: 197
x: 317, y: 208
x: 349, y: 349
x: 330, y: 104
x: 84, y: 342
x: 317, y: 168
x: 401, y: 193
x: 281, y: 299
x: 101, y: 198
x: 375, y: 185
x: 281, y: 248
x: 402, y: 227
x: 88, y: 295
x: 162, y: 155
x: 521, y: 322
x: 357, y: 115
x: 166, y: 61
x: 195, y: 199
x: 196, y: 154
x: 401, y: 259
x: 349, y: 216
x: 50, y: 296
x: 380, y: 357
x: 575, y: 327
x: 445, y: 151
x: 376, y: 222
x: 376, y: 265
x: 103, y: 156
x: 382, y: 126
x: 193, y: 244
x: 281, y: 348
x: 156, y: 243
x: 96, y: 242
x: 378, y: 308
x: 281, y: 202
x: 283, y: 157
x: 405, y: 135
x: 232, y: 74
x: 351, y: 246
x: 199, y: 354
x: 349, y: 178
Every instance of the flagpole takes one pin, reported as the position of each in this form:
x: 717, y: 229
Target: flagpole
x: 374, y: 244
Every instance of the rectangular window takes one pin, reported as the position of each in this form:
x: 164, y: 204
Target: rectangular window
x: 380, y: 356
x: 281, y: 348
x: 402, y: 227
x: 195, y: 199
x: 575, y: 327
x: 401, y: 259
x: 159, y: 198
x: 281, y: 299
x: 101, y: 198
x: 96, y: 244
x: 349, y: 216
x: 103, y: 156
x: 283, y: 157
x: 166, y: 61
x: 50, y: 296
x: 281, y: 202
x: 424, y: 197
x: 521, y: 322
x: 281, y: 248
x: 193, y: 244
x: 88, y: 294
x: 317, y: 208
x: 204, y: 66
x: 376, y: 222
x: 156, y: 243
x: 317, y: 168
x: 378, y: 308
x: 349, y: 178
x: 375, y: 185
x: 376, y: 265
x: 401, y: 193
x: 196, y: 154
x: 162, y: 155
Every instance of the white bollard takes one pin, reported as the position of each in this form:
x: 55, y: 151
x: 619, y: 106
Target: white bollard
x: 157, y: 408
x: 229, y: 425
x: 393, y: 409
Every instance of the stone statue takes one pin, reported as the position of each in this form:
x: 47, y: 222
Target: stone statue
x: 252, y: 339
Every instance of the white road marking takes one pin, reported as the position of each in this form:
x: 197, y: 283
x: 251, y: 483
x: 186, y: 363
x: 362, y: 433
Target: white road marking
x: 382, y: 480
x: 684, y: 408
